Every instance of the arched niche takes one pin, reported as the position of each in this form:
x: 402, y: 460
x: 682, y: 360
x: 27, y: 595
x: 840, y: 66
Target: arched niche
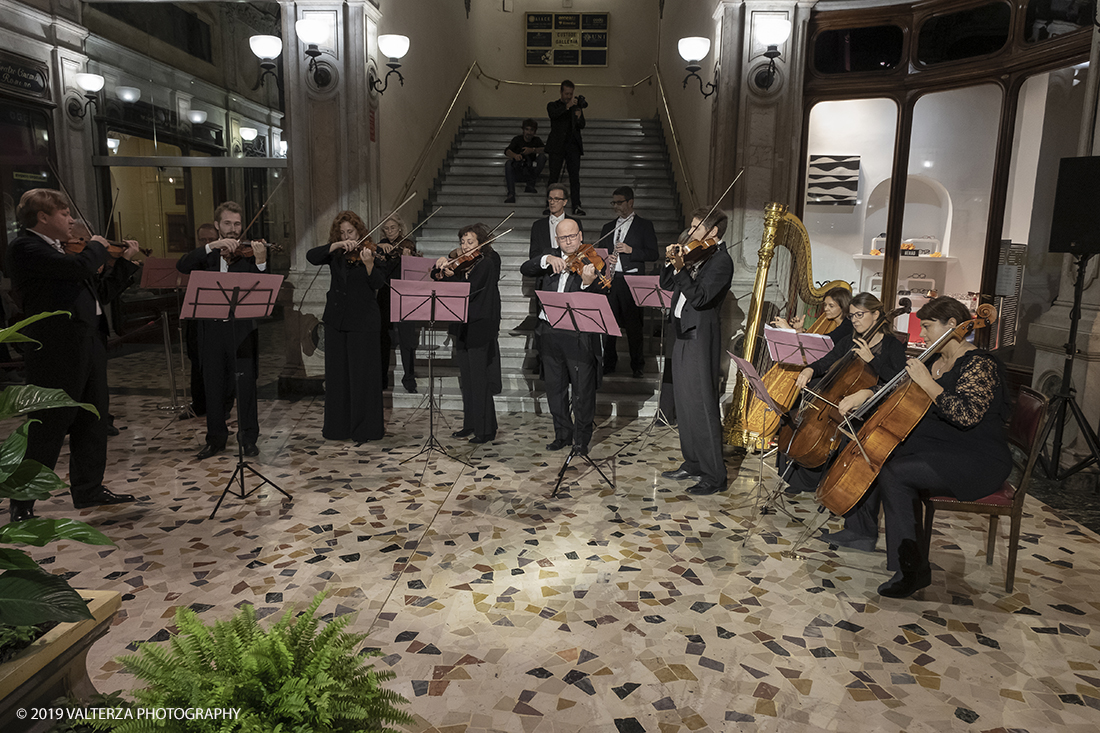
x: 928, y: 211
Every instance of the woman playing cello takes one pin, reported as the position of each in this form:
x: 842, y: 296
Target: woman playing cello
x: 958, y: 448
x: 477, y: 352
x: 353, y: 360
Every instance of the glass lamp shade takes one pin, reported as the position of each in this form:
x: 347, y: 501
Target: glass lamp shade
x: 90, y: 83
x: 283, y: 148
x: 248, y: 134
x: 693, y: 48
x: 393, y: 46
x: 128, y: 94
x: 113, y: 143
x: 311, y: 31
x: 772, y: 31
x: 197, y: 116
x: 266, y: 47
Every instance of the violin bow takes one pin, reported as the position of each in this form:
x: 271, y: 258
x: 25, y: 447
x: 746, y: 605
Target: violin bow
x: 387, y: 218
x: 262, y: 207
x: 728, y: 189
x: 111, y: 214
x: 429, y: 216
x: 501, y: 223
x: 72, y: 201
x: 451, y: 261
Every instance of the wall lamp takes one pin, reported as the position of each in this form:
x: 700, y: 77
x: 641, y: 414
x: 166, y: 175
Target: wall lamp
x: 266, y: 49
x: 90, y: 84
x: 313, y: 32
x: 771, y: 32
x: 693, y: 49
x: 196, y: 116
x: 393, y: 47
x: 128, y: 95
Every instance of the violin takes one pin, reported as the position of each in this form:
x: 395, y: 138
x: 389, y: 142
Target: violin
x: 586, y: 255
x: 696, y: 251
x: 355, y: 255
x: 114, y: 249
x: 244, y: 249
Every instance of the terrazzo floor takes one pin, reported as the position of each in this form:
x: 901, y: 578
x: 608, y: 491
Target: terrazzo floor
x: 641, y: 608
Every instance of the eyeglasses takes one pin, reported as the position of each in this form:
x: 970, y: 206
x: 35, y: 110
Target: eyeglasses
x: 555, y: 198
x: 568, y: 237
x: 857, y: 314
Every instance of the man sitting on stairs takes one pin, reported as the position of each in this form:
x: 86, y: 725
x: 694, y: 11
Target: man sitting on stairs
x: 525, y: 160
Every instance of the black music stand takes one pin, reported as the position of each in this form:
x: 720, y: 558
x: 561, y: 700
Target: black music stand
x: 419, y: 269
x: 584, y: 313
x: 227, y: 296
x: 433, y: 302
x: 648, y: 293
x: 160, y: 273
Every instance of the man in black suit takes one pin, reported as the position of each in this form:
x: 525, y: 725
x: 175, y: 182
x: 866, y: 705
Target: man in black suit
x: 228, y: 349
x: 634, y: 243
x: 569, y: 359
x: 544, y: 231
x: 564, y: 145
x: 697, y: 294
x: 73, y: 351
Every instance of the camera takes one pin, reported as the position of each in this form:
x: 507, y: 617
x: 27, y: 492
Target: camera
x: 582, y: 103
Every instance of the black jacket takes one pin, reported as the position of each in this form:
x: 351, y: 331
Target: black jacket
x: 541, y: 242
x: 199, y: 259
x: 704, y: 293
x: 642, y: 239
x: 565, y: 128
x: 352, y: 301
x: 483, y: 313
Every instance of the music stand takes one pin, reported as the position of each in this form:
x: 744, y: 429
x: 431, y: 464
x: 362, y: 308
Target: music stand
x: 790, y: 347
x: 160, y: 273
x: 584, y: 313
x: 648, y: 293
x: 227, y: 296
x: 419, y: 269
x: 430, y: 301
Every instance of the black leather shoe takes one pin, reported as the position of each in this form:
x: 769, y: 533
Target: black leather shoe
x: 637, y: 374
x: 479, y: 439
x: 251, y: 450
x: 209, y: 450
x: 464, y: 433
x: 680, y: 474
x: 410, y: 388
x: 558, y: 444
x: 578, y: 211
x: 511, y: 199
x: 112, y: 431
x: 102, y: 497
x: 906, y: 582
x: 21, y: 510
x: 580, y: 450
x: 608, y: 368
x: 705, y: 488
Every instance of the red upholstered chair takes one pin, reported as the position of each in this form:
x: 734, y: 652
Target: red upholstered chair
x: 1028, y: 418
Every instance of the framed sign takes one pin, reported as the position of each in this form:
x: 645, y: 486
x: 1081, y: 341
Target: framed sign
x: 23, y: 76
x: 566, y: 39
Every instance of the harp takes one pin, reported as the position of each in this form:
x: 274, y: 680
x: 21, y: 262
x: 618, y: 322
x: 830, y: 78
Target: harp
x: 748, y: 424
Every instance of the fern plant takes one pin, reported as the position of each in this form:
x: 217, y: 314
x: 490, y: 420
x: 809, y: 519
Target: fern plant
x: 291, y: 678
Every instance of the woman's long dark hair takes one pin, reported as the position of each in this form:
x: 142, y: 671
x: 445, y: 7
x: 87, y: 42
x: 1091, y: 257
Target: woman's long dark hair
x: 352, y: 218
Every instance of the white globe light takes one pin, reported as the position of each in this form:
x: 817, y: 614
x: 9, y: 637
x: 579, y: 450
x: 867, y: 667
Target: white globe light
x: 266, y: 47
x: 773, y: 31
x: 91, y: 83
x: 197, y: 116
x: 113, y: 143
x: 248, y: 134
x: 128, y: 94
x: 311, y: 31
x: 693, y: 48
x: 393, y: 46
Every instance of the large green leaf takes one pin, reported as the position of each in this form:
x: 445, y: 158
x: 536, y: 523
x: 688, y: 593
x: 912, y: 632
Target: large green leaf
x: 13, y: 559
x: 19, y: 399
x: 39, y: 532
x: 30, y: 597
x: 12, y: 333
x: 30, y: 482
x: 13, y: 449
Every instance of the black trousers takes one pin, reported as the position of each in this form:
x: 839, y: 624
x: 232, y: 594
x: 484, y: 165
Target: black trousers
x: 695, y: 384
x: 76, y: 362
x: 475, y: 367
x: 353, y: 386
x: 408, y: 336
x: 629, y: 317
x: 194, y: 355
x: 569, y: 367
x: 222, y: 359
x: 571, y: 159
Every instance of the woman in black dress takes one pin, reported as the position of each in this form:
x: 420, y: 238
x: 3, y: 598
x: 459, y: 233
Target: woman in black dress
x: 476, y: 347
x: 958, y: 448
x: 353, y: 361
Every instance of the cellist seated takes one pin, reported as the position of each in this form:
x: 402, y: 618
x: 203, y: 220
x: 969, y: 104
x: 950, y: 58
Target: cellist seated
x: 958, y: 448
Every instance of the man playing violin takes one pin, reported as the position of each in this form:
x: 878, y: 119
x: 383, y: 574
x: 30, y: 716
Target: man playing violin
x: 570, y: 360
x: 697, y: 294
x: 228, y: 348
x: 73, y: 351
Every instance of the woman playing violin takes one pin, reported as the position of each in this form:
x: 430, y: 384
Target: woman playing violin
x: 353, y: 361
x: 476, y: 347
x: 394, y: 244
x: 958, y: 448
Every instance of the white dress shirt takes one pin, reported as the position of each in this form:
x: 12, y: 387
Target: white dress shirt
x: 622, y: 226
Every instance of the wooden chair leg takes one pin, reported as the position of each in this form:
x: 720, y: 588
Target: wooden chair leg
x: 991, y: 539
x: 1013, y: 541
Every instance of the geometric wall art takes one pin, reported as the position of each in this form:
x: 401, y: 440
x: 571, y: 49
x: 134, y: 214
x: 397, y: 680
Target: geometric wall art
x: 833, y: 180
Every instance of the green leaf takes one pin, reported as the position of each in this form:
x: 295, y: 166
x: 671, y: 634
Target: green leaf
x: 13, y: 449
x: 12, y: 333
x: 39, y: 532
x: 19, y: 399
x: 30, y: 482
x: 31, y: 597
x: 13, y: 559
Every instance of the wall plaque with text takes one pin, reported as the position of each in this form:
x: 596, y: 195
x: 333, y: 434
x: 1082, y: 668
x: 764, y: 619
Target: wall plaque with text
x: 23, y: 76
x: 566, y: 39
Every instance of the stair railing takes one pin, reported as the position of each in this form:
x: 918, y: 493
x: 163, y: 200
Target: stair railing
x: 675, y: 140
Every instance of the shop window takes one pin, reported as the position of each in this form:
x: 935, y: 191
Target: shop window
x: 165, y: 22
x: 964, y: 34
x: 1049, y: 18
x: 24, y: 158
x: 877, y: 48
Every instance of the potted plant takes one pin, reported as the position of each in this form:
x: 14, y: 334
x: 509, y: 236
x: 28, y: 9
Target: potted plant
x: 54, y: 663
x: 290, y: 678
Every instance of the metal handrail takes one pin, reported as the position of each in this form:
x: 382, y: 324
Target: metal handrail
x: 481, y: 73
x: 675, y: 139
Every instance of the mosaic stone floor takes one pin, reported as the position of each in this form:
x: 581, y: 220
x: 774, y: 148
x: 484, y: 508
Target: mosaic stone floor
x: 500, y: 608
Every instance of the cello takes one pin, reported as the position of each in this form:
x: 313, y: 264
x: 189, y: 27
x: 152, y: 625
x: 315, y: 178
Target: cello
x: 904, y: 403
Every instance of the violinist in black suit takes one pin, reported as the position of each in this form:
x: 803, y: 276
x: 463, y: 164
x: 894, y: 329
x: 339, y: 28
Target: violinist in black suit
x: 73, y: 351
x: 633, y: 243
x: 544, y: 231
x: 476, y: 341
x: 570, y: 360
x: 697, y: 294
x: 228, y: 348
x: 353, y: 324
x: 563, y: 144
